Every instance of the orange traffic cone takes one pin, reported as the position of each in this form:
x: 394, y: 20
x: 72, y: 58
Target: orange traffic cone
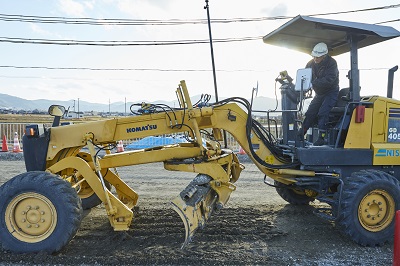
x: 4, y: 146
x: 241, y: 151
x: 120, y: 146
x: 17, y: 147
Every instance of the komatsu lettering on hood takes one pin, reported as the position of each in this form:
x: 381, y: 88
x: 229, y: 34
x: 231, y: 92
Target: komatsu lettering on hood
x: 140, y: 128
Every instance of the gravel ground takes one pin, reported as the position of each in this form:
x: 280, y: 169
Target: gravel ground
x: 256, y: 228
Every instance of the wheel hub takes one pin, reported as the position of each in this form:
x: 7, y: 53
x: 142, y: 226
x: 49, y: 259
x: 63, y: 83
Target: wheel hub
x: 376, y: 210
x: 31, y: 217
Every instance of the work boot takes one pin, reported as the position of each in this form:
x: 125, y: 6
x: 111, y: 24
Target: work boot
x: 321, y: 138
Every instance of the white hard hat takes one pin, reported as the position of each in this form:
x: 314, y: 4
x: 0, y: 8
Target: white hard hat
x: 319, y: 50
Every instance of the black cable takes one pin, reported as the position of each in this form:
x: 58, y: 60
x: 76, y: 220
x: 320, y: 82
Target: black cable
x: 252, y: 126
x: 388, y: 21
x: 182, y: 125
x: 135, y: 112
x: 160, y: 69
x: 170, y: 108
x: 199, y: 101
x: 121, y: 43
x: 165, y: 111
x: 265, y: 136
x: 153, y: 108
x: 138, y: 22
x: 203, y: 101
x: 205, y: 132
x: 276, y: 98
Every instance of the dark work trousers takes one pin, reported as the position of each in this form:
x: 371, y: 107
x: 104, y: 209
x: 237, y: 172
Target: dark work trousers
x: 319, y: 109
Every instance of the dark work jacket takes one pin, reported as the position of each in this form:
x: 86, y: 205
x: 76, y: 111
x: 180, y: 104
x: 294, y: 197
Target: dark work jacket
x: 325, y: 75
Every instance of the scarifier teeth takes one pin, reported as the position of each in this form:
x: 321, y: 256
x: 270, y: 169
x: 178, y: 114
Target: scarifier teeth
x: 195, y: 205
x: 186, y: 224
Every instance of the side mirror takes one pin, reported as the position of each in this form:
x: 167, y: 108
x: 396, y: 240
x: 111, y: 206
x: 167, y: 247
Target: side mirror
x: 56, y: 110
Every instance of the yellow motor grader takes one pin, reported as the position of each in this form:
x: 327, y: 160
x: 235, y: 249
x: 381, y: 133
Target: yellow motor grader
x: 357, y: 173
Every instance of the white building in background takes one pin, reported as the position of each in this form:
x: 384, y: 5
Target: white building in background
x: 72, y: 115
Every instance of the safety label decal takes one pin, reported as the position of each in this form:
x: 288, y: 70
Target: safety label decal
x: 393, y: 134
x: 388, y: 153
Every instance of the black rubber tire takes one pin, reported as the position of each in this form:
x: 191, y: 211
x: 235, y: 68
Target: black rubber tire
x: 356, y: 188
x: 292, y: 196
x: 93, y: 200
x: 62, y: 197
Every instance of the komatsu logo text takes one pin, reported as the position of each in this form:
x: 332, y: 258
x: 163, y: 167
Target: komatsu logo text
x: 140, y: 128
x: 388, y: 153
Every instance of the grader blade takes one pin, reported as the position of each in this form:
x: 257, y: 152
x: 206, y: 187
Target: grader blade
x: 195, y: 205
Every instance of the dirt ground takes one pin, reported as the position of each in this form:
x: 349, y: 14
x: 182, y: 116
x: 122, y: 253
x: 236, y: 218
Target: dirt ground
x: 257, y: 227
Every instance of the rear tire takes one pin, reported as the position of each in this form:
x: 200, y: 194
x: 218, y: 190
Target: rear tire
x: 369, y: 202
x: 39, y: 212
x: 293, y: 196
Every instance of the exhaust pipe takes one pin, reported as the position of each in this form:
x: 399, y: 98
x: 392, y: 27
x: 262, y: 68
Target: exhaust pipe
x: 390, y: 81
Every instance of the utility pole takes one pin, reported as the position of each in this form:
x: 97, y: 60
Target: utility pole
x: 213, y: 63
x: 212, y: 50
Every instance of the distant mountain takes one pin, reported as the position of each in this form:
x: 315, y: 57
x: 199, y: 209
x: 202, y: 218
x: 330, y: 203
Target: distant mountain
x: 11, y: 102
x: 16, y: 103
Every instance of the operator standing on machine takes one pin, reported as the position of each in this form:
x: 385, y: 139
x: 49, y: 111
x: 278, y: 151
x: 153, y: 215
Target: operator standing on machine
x: 325, y: 83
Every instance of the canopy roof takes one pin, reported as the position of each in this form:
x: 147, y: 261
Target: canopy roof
x: 302, y: 33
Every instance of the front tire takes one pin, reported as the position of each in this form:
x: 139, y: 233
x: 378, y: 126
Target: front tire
x: 39, y: 212
x: 369, y: 202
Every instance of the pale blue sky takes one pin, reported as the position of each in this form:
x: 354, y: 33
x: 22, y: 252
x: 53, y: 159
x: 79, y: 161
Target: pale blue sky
x: 262, y: 61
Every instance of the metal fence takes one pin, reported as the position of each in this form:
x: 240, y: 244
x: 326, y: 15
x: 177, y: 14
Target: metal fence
x: 9, y: 129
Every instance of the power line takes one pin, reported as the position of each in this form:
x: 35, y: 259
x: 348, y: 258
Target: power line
x: 388, y: 21
x: 139, y: 22
x: 93, y: 21
x: 158, y: 69
x: 123, y: 43
x: 163, y: 43
x: 356, y: 11
x: 136, y: 43
x: 127, y: 69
